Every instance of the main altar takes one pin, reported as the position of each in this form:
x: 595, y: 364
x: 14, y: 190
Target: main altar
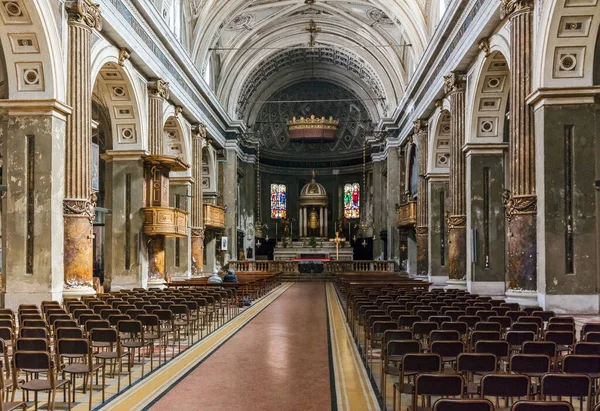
x: 313, y: 243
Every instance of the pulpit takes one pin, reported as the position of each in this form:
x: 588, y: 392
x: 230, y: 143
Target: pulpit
x: 313, y: 202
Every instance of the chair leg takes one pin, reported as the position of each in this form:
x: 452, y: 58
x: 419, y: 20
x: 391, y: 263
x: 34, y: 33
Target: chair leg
x: 91, y: 391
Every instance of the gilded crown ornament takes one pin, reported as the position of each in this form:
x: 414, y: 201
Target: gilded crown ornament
x: 312, y: 128
x: 84, y: 12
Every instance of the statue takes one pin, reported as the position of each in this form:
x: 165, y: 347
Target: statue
x: 286, y: 227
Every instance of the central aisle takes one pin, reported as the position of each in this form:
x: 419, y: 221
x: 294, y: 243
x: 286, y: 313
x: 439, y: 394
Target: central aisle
x: 278, y: 361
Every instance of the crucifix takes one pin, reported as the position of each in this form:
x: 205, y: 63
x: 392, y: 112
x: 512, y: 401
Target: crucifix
x: 312, y: 30
x: 337, y: 240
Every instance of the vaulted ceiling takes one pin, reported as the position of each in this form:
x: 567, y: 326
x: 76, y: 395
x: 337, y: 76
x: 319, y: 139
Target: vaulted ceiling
x: 368, y: 47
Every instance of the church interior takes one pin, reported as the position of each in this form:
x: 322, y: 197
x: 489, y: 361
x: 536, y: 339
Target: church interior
x: 312, y: 205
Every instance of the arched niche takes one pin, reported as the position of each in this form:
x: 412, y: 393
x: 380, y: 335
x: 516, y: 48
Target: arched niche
x: 439, y: 142
x: 488, y: 107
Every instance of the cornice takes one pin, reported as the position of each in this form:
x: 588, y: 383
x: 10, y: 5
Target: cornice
x: 563, y: 96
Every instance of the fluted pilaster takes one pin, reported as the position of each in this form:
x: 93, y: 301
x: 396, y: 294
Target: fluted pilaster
x: 197, y: 201
x: 422, y: 228
x: 79, y: 202
x: 457, y: 220
x: 158, y: 93
x: 521, y: 203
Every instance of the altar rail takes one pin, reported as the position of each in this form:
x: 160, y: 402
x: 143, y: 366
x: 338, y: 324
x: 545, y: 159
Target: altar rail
x: 329, y: 266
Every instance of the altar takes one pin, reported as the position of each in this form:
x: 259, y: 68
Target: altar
x: 303, y: 250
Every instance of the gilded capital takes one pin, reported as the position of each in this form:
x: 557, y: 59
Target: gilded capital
x: 484, y: 45
x: 159, y: 88
x: 508, y: 7
x: 455, y: 82
x: 84, y: 12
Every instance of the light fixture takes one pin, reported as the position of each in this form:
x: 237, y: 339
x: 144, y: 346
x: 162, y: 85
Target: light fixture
x: 312, y: 127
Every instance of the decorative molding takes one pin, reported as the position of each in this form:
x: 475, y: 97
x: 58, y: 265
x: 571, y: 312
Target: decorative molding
x: 124, y: 55
x: 420, y: 126
x: 455, y: 82
x: 422, y: 230
x: 80, y: 207
x: 484, y: 45
x: 198, y: 232
x: 456, y: 221
x: 508, y: 7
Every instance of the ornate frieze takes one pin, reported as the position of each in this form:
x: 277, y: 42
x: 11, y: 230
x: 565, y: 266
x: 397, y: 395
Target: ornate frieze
x: 80, y: 207
x: 456, y: 221
x: 508, y: 7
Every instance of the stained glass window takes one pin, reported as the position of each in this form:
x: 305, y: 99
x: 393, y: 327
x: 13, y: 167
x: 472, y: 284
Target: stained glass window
x: 352, y: 200
x: 278, y: 201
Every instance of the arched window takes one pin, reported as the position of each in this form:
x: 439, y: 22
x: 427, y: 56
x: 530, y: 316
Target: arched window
x: 352, y: 200
x: 278, y: 201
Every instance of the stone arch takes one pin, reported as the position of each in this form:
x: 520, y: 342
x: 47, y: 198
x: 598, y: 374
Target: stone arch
x: 491, y: 88
x: 568, y: 31
x: 209, y: 167
x: 115, y: 91
x: 597, y: 62
x: 177, y: 134
x: 31, y: 44
x: 439, y: 142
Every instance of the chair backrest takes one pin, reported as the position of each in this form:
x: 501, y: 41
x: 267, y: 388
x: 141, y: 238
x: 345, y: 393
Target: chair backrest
x: 68, y: 332
x: 505, y: 385
x: 517, y: 338
x: 32, y: 360
x: 423, y: 328
x: 581, y: 364
x: 542, y: 406
x: 73, y: 346
x: 447, y: 404
x: 474, y: 362
x: 149, y: 320
x: 539, y: 347
x: 500, y: 349
x: 560, y: 337
x: 445, y: 385
x: 515, y: 314
x: 65, y: 324
x: 421, y: 363
x: 461, y: 327
x: 488, y: 326
x: 567, y: 385
x: 561, y: 327
x: 484, y: 336
x: 407, y: 321
x: 114, y: 319
x: 32, y: 344
x: 33, y: 332
x: 390, y: 335
x: 447, y: 349
x: 587, y: 348
x: 589, y: 327
x: 532, y: 327
x: 530, y: 363
x: 593, y: 336
x: 107, y: 335
x: 444, y: 335
x: 544, y: 315
x: 90, y: 325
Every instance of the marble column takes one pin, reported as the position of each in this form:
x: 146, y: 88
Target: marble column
x: 125, y: 198
x: 321, y: 223
x: 521, y: 203
x: 178, y: 249
x: 301, y: 221
x: 158, y: 93
x: 421, y: 230
x: 393, y: 198
x: 378, y: 208
x: 326, y: 223
x: 229, y: 192
x: 33, y: 171
x: 211, y: 251
x: 79, y: 200
x: 305, y: 221
x: 197, y: 202
x: 457, y: 219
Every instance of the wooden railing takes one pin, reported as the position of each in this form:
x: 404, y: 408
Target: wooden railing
x: 407, y: 214
x: 330, y: 266
x: 214, y: 216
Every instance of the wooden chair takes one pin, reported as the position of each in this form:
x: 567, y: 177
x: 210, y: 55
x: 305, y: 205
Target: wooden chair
x: 112, y: 353
x: 40, y: 361
x: 509, y: 386
x: 470, y: 365
x: 437, y: 385
x: 542, y: 406
x: 568, y: 385
x: 6, y: 405
x: 79, y: 348
x: 412, y: 365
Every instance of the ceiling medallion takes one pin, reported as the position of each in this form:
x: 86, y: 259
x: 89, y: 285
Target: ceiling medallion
x: 312, y: 128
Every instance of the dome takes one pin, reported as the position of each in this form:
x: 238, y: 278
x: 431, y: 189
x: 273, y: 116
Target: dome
x: 313, y: 193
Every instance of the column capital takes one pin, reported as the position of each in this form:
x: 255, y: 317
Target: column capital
x: 84, y: 12
x: 455, y: 82
x: 456, y: 221
x: 124, y: 55
x: 198, y: 232
x: 159, y: 89
x: 80, y: 207
x: 508, y: 7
